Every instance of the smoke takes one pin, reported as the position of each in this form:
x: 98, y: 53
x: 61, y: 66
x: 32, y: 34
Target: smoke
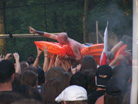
x: 119, y: 21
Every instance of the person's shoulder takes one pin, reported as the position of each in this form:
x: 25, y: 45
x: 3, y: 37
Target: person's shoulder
x: 97, y: 93
x: 100, y: 100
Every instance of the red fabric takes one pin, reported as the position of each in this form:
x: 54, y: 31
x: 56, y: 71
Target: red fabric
x: 103, y: 59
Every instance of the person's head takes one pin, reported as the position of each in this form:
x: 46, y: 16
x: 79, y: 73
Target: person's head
x: 29, y: 92
x: 30, y: 59
x: 116, y: 88
x: 62, y: 38
x: 79, y: 79
x: 34, y: 69
x: 29, y: 78
x: 17, y: 81
x: 52, y: 89
x: 88, y: 62
x: 57, y: 72
x: 72, y: 94
x: 7, y: 71
x: 103, y: 74
x: 24, y: 65
x: 41, y: 76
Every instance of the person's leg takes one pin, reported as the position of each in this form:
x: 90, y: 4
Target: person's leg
x: 125, y: 40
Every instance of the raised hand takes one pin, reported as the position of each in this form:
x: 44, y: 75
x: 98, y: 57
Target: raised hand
x: 8, y: 56
x: 16, y: 56
x: 38, y: 51
x: 32, y: 30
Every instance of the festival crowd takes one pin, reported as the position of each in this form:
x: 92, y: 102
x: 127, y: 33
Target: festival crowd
x: 66, y: 80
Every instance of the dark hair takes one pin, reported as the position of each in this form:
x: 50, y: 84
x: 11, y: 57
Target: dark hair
x: 6, y: 70
x: 114, y: 99
x: 91, y: 80
x: 88, y: 62
x: 27, y: 101
x: 41, y: 76
x: 77, y: 102
x: 79, y: 79
x: 7, y: 97
x: 23, y: 65
x: 29, y: 78
x: 32, y: 68
x: 30, y: 59
x: 52, y: 89
x: 29, y: 92
x: 17, y: 81
x: 55, y: 72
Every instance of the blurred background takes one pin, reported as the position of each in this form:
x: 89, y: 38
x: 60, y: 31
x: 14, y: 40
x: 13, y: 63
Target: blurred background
x: 79, y: 18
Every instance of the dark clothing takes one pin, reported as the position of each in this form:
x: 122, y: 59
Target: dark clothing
x: 94, y: 96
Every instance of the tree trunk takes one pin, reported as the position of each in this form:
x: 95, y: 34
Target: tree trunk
x: 2, y: 30
x: 85, y: 35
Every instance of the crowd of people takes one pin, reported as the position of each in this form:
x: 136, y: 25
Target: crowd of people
x: 65, y: 80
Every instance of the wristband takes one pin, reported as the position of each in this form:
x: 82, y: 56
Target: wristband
x: 40, y: 32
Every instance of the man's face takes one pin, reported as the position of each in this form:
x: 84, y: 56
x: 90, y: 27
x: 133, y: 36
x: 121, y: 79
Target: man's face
x: 30, y: 59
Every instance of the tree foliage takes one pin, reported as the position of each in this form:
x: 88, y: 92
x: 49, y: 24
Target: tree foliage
x: 63, y: 15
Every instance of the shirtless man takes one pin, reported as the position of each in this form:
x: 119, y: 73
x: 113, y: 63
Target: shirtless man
x: 63, y: 39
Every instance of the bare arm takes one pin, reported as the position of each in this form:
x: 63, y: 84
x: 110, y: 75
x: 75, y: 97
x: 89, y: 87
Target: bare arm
x: 118, y: 58
x: 57, y: 61
x: 46, y: 62
x: 52, y: 58
x: 77, y: 53
x: 36, y: 62
x: 17, y: 67
x: 8, y: 56
x: 45, y: 34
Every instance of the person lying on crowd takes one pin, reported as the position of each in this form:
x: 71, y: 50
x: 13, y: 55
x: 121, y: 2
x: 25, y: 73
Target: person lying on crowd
x: 63, y: 39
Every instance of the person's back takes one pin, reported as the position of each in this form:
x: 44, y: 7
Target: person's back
x: 73, y: 42
x: 29, y: 78
x: 52, y: 89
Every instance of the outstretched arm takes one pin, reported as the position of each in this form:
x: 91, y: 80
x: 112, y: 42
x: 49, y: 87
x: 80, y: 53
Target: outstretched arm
x: 45, y: 34
x: 46, y: 62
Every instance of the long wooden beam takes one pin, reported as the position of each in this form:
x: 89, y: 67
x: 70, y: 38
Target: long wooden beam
x: 3, y: 36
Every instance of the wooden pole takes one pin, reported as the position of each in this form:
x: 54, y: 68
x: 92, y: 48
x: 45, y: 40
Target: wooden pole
x: 2, y: 29
x: 100, y: 35
x: 97, y: 38
x: 3, y: 36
